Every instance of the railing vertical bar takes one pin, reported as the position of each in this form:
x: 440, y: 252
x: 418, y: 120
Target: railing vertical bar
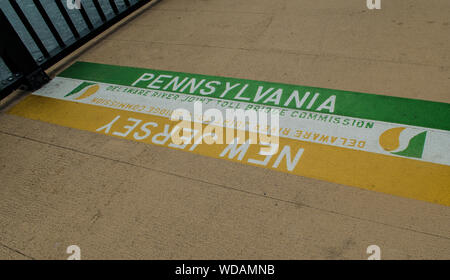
x: 25, y: 69
x: 13, y: 51
x: 86, y: 18
x: 113, y: 5
x: 99, y: 10
x: 49, y: 23
x: 29, y: 28
x: 67, y: 18
x: 18, y: 59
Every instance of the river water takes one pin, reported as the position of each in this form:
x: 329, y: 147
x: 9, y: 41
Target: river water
x: 41, y: 28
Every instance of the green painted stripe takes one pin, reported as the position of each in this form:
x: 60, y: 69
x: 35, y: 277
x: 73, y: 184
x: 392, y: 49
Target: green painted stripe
x: 351, y: 104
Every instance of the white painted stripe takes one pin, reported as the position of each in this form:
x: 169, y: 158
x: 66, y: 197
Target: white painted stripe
x: 437, y: 145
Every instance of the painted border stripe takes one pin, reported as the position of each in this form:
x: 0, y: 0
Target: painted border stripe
x: 397, y: 155
x: 392, y: 175
x: 350, y: 104
x: 364, y: 137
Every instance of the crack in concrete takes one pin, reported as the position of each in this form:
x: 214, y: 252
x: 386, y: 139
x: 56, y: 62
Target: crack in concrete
x: 16, y: 251
x: 294, y: 203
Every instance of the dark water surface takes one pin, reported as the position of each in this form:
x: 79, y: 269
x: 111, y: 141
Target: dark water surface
x: 41, y: 28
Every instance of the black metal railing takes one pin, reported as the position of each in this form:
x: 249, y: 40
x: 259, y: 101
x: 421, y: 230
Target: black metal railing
x: 24, y: 48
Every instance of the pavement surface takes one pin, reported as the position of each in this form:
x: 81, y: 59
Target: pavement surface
x: 118, y: 199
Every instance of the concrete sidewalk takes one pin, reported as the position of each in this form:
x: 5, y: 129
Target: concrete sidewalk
x: 121, y: 199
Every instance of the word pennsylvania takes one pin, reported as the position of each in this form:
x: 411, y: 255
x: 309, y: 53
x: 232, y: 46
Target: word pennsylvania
x: 288, y: 97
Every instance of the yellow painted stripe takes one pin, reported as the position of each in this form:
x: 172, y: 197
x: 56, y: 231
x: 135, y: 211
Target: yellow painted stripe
x: 392, y: 175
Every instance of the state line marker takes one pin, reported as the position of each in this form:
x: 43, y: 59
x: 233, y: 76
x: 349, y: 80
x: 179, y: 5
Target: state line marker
x: 387, y: 144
